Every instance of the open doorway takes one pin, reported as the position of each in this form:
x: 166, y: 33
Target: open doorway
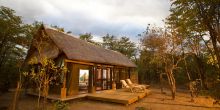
x: 83, y: 81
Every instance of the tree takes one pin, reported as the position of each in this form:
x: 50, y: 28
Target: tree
x: 109, y: 42
x: 13, y: 44
x: 198, y: 17
x: 47, y: 74
x: 152, y: 47
x: 60, y: 29
x: 164, y: 47
x: 122, y: 45
x: 43, y: 72
x: 15, y: 37
x: 88, y: 38
x: 126, y: 47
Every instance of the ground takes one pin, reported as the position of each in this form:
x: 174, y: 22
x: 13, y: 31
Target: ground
x: 155, y: 101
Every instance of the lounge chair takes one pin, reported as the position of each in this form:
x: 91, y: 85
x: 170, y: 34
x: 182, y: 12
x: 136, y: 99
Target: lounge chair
x: 131, y: 88
x: 140, y: 85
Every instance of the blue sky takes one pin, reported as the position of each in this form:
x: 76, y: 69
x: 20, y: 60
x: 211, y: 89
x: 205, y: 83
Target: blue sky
x: 99, y: 17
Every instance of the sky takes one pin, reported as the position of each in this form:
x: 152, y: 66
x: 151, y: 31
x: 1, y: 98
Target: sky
x: 98, y: 17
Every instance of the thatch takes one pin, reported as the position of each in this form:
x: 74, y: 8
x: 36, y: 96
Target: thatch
x: 79, y: 50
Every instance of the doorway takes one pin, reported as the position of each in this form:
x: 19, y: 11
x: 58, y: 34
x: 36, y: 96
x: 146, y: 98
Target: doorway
x: 83, y: 80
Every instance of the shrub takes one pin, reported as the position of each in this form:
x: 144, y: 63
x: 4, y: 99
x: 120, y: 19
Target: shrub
x: 60, y: 105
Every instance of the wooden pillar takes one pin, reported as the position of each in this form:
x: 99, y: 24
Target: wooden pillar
x: 91, y: 75
x: 101, y: 76
x: 114, y: 74
x: 129, y: 73
x: 74, y: 80
x: 94, y: 78
x: 111, y: 78
x: 63, y: 89
x: 120, y: 74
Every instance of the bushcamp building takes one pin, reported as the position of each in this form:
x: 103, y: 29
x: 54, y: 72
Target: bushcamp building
x: 91, y: 68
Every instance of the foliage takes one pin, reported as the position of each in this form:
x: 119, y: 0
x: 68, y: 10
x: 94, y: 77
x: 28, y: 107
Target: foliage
x: 60, y: 105
x: 191, y: 34
x: 122, y: 45
x: 43, y: 71
x: 44, y: 74
x: 60, y: 29
x: 111, y: 42
x: 196, y: 19
x: 15, y: 38
x: 164, y: 48
x: 88, y: 38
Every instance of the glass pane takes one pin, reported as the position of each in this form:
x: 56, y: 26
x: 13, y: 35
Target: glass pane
x: 104, y: 74
x: 99, y: 76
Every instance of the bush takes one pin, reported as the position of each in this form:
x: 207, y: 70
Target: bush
x: 60, y: 105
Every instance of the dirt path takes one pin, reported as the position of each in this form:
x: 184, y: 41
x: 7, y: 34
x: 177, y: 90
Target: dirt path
x: 155, y: 101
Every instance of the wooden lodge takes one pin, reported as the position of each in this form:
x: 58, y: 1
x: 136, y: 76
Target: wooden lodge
x: 90, y: 68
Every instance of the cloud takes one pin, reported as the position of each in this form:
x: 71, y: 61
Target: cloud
x: 118, y: 17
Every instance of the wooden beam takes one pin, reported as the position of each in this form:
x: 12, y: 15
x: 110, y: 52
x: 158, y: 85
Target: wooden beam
x: 79, y: 62
x: 105, y: 66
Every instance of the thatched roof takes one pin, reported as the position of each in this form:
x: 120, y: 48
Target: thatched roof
x: 79, y: 50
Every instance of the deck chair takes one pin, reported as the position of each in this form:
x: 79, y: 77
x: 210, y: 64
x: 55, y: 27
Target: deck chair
x: 131, y: 88
x: 140, y: 85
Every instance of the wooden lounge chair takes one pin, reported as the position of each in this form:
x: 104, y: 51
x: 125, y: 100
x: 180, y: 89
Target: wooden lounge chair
x: 131, y: 88
x: 140, y: 85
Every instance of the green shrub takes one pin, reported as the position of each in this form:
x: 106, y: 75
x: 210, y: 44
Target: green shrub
x: 60, y: 105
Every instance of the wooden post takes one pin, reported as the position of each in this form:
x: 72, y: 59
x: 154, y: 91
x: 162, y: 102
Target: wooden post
x: 113, y: 72
x: 110, y: 78
x: 94, y: 78
x: 113, y: 86
x: 90, y: 88
x: 129, y: 73
x: 63, y: 89
x: 101, y: 76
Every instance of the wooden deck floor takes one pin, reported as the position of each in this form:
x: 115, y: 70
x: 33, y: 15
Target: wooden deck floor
x: 57, y: 97
x: 118, y: 96
x: 121, y: 96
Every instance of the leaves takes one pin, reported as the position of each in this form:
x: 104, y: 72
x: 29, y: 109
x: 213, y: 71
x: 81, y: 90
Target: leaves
x: 122, y: 45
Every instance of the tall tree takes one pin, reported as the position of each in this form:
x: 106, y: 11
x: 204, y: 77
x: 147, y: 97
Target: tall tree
x: 122, y: 45
x: 13, y: 43
x: 109, y: 42
x: 15, y: 38
x: 198, y: 17
x: 88, y: 38
x: 164, y: 47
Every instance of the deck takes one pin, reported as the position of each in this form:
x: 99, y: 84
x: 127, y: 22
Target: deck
x: 118, y: 96
x: 121, y: 96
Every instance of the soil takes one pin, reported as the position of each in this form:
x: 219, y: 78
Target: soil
x: 155, y: 101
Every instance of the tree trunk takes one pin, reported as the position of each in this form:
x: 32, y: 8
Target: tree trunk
x: 208, y: 22
x: 16, y: 96
x: 172, y: 83
x: 162, y: 82
x: 201, y: 72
